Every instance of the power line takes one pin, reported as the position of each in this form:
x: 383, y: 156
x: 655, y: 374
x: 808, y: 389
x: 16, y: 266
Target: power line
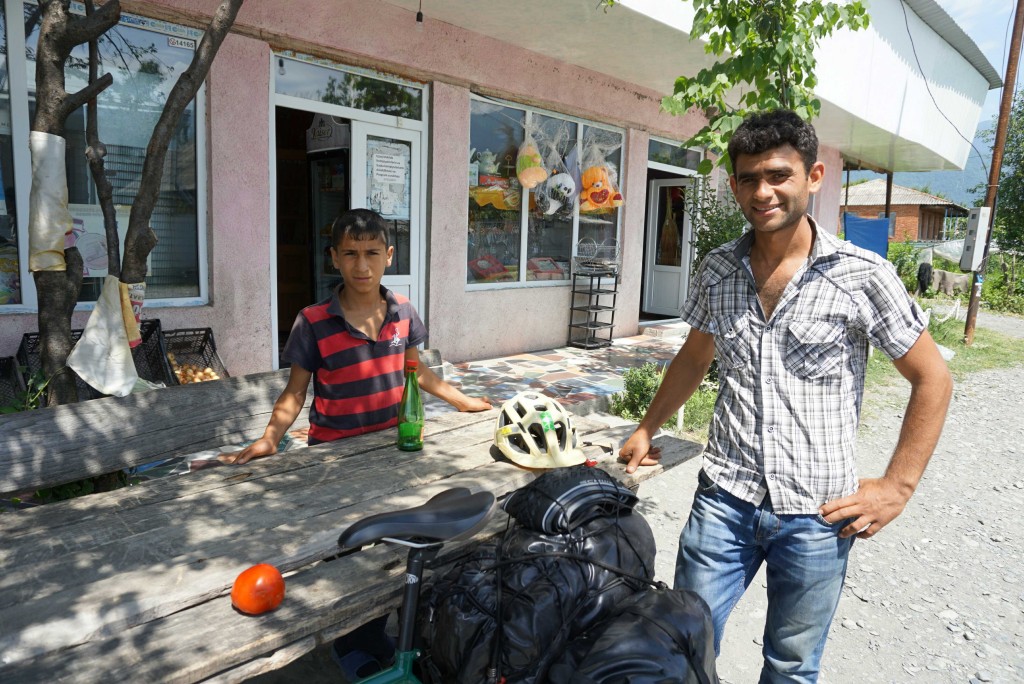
x: 913, y: 47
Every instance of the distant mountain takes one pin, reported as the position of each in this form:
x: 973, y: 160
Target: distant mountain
x: 954, y: 185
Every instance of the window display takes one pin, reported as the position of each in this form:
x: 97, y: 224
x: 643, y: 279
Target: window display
x: 495, y: 194
x: 538, y: 184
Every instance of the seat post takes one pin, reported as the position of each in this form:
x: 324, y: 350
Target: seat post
x: 418, y: 556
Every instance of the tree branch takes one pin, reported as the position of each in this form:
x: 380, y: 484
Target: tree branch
x: 95, y: 152
x: 141, y: 239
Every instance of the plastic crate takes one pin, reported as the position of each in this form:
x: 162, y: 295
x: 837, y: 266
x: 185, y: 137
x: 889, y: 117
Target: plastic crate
x: 193, y: 347
x: 12, y: 385
x: 149, y: 356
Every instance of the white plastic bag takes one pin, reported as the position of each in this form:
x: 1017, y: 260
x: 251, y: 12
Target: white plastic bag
x: 102, y: 356
x: 48, y: 217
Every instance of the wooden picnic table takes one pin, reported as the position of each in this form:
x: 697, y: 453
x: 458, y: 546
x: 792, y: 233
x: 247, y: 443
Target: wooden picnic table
x: 133, y: 585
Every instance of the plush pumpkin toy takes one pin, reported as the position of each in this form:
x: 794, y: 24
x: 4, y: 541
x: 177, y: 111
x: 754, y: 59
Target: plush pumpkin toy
x: 598, y: 191
x: 530, y: 166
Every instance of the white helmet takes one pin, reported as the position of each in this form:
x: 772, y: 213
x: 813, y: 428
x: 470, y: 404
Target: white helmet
x: 536, y: 432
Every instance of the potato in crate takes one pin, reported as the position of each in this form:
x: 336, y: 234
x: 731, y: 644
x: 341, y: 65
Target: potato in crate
x: 193, y: 355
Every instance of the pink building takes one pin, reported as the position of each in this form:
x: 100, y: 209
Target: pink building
x: 312, y: 107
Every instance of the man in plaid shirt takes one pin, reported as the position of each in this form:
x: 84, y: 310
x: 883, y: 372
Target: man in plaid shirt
x: 790, y: 310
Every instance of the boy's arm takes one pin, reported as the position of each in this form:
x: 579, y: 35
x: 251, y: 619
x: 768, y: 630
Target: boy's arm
x: 878, y: 501
x: 429, y: 382
x: 681, y: 380
x: 286, y: 410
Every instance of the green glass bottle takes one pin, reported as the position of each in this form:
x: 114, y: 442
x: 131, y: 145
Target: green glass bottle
x: 410, y: 412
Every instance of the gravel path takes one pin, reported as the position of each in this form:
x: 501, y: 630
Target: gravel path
x: 938, y: 596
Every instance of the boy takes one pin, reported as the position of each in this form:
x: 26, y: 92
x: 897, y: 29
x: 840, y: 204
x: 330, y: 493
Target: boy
x: 354, y: 346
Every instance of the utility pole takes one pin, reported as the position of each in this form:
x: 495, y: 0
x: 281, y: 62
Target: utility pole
x: 1005, y: 105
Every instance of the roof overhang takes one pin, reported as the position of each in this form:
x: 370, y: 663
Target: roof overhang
x: 875, y: 108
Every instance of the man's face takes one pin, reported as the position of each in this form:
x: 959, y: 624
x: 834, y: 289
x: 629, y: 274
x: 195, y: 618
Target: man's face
x: 773, y: 188
x: 362, y: 262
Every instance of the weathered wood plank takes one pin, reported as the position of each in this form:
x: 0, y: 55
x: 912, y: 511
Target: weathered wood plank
x: 66, y: 443
x: 323, y: 600
x: 84, y: 509
x: 75, y: 587
x: 105, y: 606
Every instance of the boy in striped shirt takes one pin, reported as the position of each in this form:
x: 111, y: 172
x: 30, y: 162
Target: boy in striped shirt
x: 353, y: 346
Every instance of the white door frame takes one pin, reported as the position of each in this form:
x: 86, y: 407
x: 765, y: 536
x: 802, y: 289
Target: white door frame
x: 413, y: 282
x: 652, y: 271
x: 419, y: 190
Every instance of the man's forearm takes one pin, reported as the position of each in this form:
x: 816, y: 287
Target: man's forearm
x: 919, y: 434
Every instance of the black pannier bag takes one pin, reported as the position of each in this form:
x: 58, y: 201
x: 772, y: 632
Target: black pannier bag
x: 654, y: 637
x: 551, y: 586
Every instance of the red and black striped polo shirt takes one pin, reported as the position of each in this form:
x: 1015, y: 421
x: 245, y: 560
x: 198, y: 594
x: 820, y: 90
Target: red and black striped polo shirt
x: 357, y: 381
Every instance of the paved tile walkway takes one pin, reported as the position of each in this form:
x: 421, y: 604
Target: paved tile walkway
x: 581, y: 379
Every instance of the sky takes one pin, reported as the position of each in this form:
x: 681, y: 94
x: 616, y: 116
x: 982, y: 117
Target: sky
x: 987, y: 23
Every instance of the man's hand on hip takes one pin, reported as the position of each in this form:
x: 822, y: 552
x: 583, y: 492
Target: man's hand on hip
x: 874, y: 505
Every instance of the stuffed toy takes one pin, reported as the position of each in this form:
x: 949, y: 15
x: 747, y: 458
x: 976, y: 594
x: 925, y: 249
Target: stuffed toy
x: 530, y: 166
x: 555, y: 193
x: 598, y: 191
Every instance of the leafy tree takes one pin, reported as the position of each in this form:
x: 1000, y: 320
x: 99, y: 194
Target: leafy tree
x: 768, y: 62
x: 1008, y: 228
x: 716, y: 219
x: 60, y: 31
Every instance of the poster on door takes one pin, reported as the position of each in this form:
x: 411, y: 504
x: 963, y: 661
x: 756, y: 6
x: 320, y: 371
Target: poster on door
x: 389, y: 177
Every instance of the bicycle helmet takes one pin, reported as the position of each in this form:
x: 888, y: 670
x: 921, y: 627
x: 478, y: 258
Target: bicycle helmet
x: 536, y: 432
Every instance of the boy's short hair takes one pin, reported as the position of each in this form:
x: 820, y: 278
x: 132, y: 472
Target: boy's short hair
x: 765, y: 131
x: 360, y: 224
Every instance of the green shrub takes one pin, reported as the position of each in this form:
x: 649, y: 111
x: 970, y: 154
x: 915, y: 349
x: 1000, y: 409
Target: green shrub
x: 639, y: 387
x: 903, y: 256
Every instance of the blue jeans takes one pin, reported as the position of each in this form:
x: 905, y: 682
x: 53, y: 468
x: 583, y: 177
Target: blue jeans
x: 721, y: 548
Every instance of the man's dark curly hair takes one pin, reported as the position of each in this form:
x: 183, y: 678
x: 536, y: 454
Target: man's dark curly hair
x: 765, y: 131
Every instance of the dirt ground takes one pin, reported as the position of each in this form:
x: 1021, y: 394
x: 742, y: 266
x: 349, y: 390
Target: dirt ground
x: 937, y: 597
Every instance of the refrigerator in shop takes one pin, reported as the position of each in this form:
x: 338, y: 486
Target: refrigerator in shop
x: 327, y: 150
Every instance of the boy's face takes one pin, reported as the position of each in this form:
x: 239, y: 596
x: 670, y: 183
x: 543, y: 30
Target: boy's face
x: 362, y: 262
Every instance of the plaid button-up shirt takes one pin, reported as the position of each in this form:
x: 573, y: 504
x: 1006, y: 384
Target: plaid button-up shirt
x: 790, y: 388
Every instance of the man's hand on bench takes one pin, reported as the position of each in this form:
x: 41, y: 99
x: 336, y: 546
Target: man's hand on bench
x: 258, y: 449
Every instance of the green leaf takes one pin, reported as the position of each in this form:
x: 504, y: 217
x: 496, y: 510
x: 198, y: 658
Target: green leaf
x: 705, y: 167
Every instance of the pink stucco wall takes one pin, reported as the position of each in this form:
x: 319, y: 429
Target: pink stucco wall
x: 829, y: 194
x: 463, y: 325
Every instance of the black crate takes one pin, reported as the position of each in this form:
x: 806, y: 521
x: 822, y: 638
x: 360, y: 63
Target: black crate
x: 195, y: 347
x: 150, y: 358
x: 12, y: 385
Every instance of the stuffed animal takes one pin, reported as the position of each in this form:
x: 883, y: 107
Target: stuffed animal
x: 555, y: 193
x: 598, y: 191
x: 530, y: 166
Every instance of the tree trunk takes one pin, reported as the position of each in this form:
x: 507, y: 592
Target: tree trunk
x: 140, y: 239
x: 57, y: 291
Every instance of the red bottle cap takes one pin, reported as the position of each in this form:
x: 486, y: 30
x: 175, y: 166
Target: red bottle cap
x: 411, y: 365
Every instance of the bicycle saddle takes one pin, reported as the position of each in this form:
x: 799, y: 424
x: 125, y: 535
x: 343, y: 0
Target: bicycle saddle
x: 444, y: 516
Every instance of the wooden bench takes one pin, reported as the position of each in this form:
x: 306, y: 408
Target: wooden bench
x: 48, y: 447
x: 131, y: 585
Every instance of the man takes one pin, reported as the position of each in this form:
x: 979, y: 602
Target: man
x: 790, y: 310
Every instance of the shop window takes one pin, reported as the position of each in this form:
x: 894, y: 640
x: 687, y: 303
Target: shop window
x: 600, y: 164
x: 495, y: 195
x: 552, y: 204
x: 145, y: 58
x: 672, y: 154
x: 321, y: 80
x: 539, y: 186
x: 10, y: 276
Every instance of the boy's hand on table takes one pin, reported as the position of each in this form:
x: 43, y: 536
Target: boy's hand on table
x: 258, y: 449
x: 475, y: 404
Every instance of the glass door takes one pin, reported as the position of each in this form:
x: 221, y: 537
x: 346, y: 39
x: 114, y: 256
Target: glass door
x: 669, y: 250
x: 386, y: 178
